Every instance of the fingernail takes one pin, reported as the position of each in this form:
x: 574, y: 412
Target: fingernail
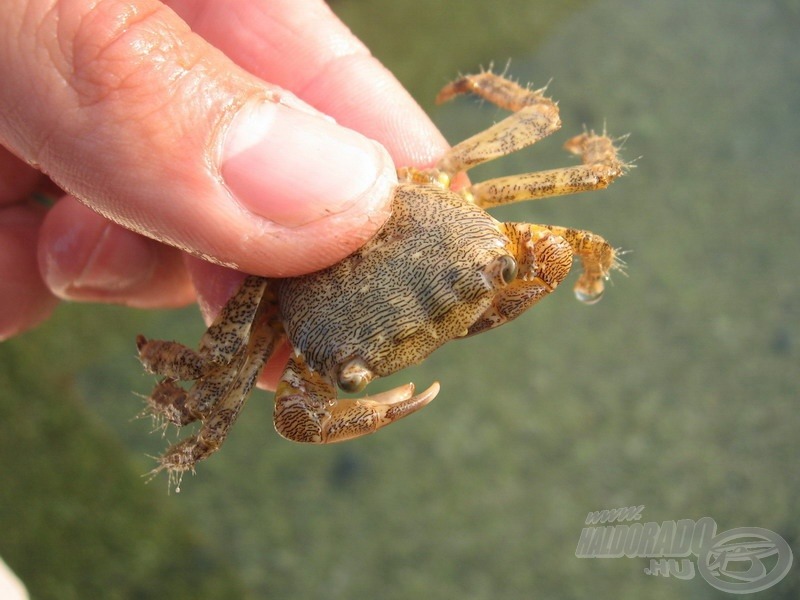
x: 96, y: 257
x: 293, y: 167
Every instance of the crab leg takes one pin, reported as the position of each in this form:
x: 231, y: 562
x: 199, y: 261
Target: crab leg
x: 552, y: 248
x: 600, y: 167
x: 229, y: 331
x: 306, y: 408
x: 597, y: 257
x: 212, y: 433
x: 224, y: 338
x: 534, y: 117
x: 213, y: 367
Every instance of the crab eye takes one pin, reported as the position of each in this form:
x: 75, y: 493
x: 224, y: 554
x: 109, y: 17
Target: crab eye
x: 508, y: 268
x: 354, y: 376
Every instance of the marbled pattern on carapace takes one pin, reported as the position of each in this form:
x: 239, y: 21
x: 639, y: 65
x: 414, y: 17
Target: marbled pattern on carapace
x: 386, y: 303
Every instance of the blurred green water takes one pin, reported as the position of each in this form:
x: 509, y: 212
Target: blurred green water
x: 677, y: 392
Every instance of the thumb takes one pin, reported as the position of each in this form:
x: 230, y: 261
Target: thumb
x: 319, y: 190
x: 139, y: 118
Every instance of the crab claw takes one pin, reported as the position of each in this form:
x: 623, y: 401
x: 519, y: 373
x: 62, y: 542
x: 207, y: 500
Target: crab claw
x: 306, y: 408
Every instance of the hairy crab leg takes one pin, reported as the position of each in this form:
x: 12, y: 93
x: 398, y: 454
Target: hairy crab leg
x: 534, y: 117
x: 306, y: 408
x: 601, y: 165
x: 265, y: 333
x: 213, y: 367
x: 220, y: 343
x: 229, y: 332
x: 598, y: 258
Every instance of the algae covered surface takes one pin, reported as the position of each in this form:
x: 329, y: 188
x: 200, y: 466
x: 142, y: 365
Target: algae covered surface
x: 678, y: 392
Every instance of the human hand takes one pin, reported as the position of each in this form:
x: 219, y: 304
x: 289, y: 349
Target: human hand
x: 182, y: 148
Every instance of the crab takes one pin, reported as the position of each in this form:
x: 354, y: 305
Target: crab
x: 440, y: 268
